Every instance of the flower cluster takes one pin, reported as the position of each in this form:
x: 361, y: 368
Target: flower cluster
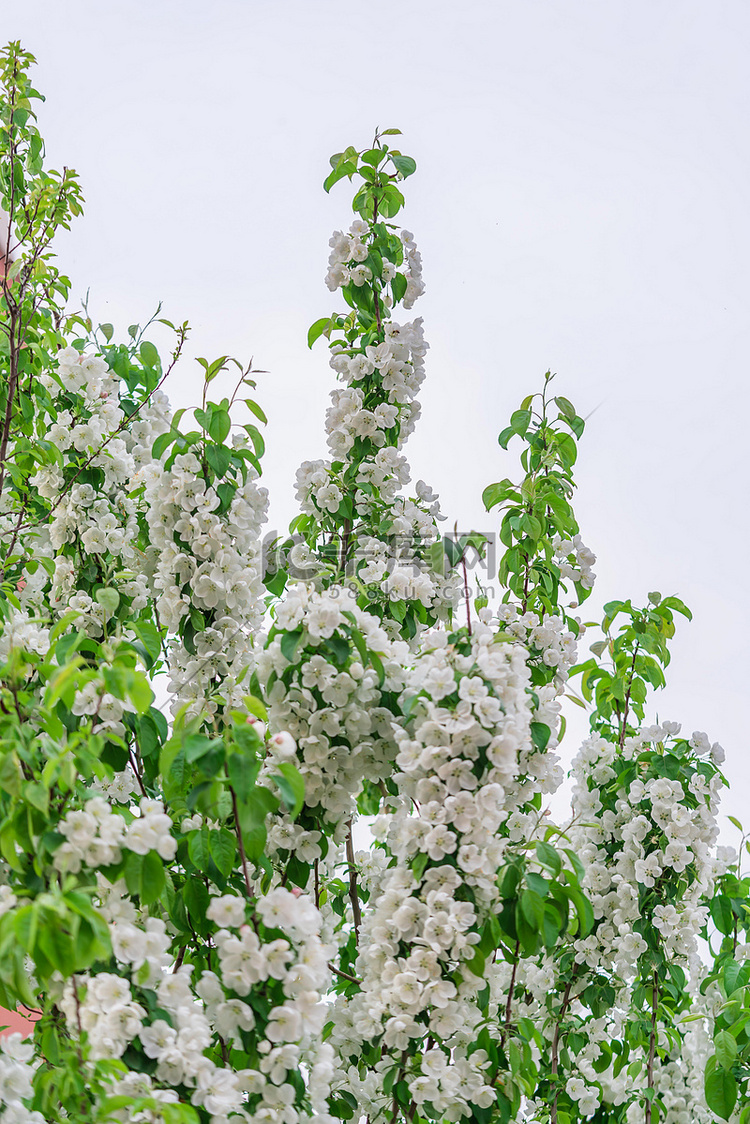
x: 550, y: 642
x: 209, y: 561
x: 575, y: 560
x: 320, y: 693
x: 653, y: 830
x: 463, y: 761
x: 18, y: 1063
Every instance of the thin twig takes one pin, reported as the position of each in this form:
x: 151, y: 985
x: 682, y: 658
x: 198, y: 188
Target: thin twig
x: 508, y: 1005
x: 344, y: 975
x: 353, y: 895
x: 652, y: 1046
x: 241, y: 845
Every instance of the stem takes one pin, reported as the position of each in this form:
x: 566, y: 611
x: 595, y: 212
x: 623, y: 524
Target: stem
x: 627, y: 698
x: 84, y: 1103
x: 345, y: 545
x: 12, y: 388
x: 241, y: 845
x: 506, y: 1026
x: 136, y: 770
x: 344, y: 975
x: 14, y: 537
x: 652, y: 1044
x: 466, y: 593
x: 353, y: 895
x: 376, y: 297
x: 556, y: 1046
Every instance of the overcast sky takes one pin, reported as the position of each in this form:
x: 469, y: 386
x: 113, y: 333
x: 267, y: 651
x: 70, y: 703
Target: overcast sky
x: 580, y: 204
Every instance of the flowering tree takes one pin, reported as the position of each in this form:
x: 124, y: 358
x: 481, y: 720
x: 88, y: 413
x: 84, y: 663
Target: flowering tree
x: 182, y: 903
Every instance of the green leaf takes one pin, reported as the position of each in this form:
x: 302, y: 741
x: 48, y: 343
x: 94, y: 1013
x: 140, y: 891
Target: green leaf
x: 565, y: 407
x: 576, y: 863
x: 494, y: 494
x: 374, y: 156
x: 399, y: 286
x: 222, y: 845
x: 252, y: 816
x: 678, y: 606
x: 582, y: 907
x: 197, y: 745
x: 148, y: 354
x: 254, y: 408
x: 196, y: 902
x: 109, y: 599
x: 178, y: 1114
x: 57, y: 946
x: 538, y: 884
x: 243, y: 773
x: 317, y: 329
x: 418, y: 865
x: 139, y: 690
x: 548, y: 857
x: 219, y: 458
x: 291, y: 785
x: 144, y: 875
x: 219, y: 425
x: 532, y: 907
x: 725, y: 1048
x: 519, y: 421
x: 198, y: 848
x: 721, y: 912
x: 405, y: 164
x: 256, y: 707
x: 732, y: 976
x: 721, y: 1092
x: 289, y: 644
x: 150, y: 637
x: 540, y: 735
x: 347, y: 168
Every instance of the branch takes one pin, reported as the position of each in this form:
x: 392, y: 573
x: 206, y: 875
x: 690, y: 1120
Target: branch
x: 627, y: 697
x: 241, y: 846
x: 506, y: 1026
x: 652, y: 1044
x: 353, y: 895
x: 344, y: 975
x: 466, y: 593
x: 556, y: 1043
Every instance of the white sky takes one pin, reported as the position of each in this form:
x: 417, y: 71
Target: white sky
x: 580, y: 204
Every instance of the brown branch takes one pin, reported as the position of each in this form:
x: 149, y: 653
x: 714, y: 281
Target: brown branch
x: 353, y: 895
x: 136, y: 770
x: 14, y: 537
x: 508, y: 1005
x: 344, y: 975
x: 556, y: 1044
x: 652, y: 1045
x: 345, y: 545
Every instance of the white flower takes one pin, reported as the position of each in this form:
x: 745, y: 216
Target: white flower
x: 227, y: 911
x: 285, y: 1024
